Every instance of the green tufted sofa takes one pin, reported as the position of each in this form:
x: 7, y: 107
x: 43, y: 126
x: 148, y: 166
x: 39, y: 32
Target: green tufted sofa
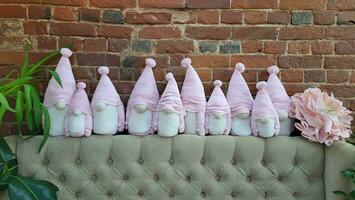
x: 186, y: 167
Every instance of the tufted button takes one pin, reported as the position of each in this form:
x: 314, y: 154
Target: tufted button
x: 62, y: 178
x: 171, y: 161
x: 125, y: 177
x: 46, y: 162
x: 203, y: 194
x: 295, y: 194
x: 77, y: 194
x: 93, y: 177
x: 280, y: 178
x: 233, y: 162
x: 203, y: 161
x: 109, y: 193
x: 78, y: 161
x: 263, y: 162
x: 140, y: 161
x: 249, y: 178
x: 218, y: 178
x: 140, y: 193
x: 171, y: 194
x: 295, y: 162
x: 156, y: 178
x: 234, y: 194
x: 188, y: 178
x: 265, y: 194
x: 109, y: 161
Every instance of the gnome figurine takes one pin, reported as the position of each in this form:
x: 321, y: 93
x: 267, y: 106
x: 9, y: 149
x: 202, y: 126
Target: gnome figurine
x: 78, y: 121
x: 240, y: 101
x: 218, y: 112
x: 57, y: 98
x: 170, y: 110
x: 194, y: 100
x: 280, y: 100
x: 108, y: 110
x: 264, y: 118
x: 141, y: 116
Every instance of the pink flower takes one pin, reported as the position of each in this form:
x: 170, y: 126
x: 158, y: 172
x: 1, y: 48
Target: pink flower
x: 323, y: 118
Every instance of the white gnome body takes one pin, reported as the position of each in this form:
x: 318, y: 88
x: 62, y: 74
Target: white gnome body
x: 108, y: 110
x: 280, y: 100
x: 57, y: 98
x: 218, y: 114
x: 141, y: 108
x: 241, y: 124
x: 170, y: 110
x: 79, y: 116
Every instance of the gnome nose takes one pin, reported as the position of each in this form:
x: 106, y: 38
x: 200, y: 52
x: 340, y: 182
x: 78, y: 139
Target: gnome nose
x: 264, y: 119
x: 282, y: 115
x: 76, y: 112
x: 60, y: 104
x: 100, y: 106
x: 168, y: 110
x: 218, y: 115
x: 140, y: 108
x: 244, y: 115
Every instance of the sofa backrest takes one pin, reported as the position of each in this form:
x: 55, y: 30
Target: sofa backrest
x: 184, y: 167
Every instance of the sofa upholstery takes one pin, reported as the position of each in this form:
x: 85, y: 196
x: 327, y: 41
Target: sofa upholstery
x: 187, y: 167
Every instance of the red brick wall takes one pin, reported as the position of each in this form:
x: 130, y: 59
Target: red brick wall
x: 312, y: 41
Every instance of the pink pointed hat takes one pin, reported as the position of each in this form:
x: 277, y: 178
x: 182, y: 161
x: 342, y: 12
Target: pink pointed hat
x: 277, y: 92
x: 217, y: 100
x: 105, y: 91
x: 238, y: 94
x: 54, y: 91
x: 171, y: 96
x: 145, y: 90
x: 80, y: 100
x: 192, y: 92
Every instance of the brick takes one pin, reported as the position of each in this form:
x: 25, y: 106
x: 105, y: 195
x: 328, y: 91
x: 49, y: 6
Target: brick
x: 254, y: 33
x: 301, y: 33
x: 341, y: 4
x: 337, y: 76
x: 324, y: 17
x: 47, y: 43
x: 175, y: 46
x: 208, y: 47
x: 314, y: 76
x: 87, y: 73
x: 115, y: 31
x: 65, y: 14
x: 339, y: 62
x: 184, y: 17
x: 254, y: 61
x: 212, y: 33
x: 75, y: 43
x: 262, y: 75
x: 73, y: 29
x: 11, y: 58
x: 113, y: 17
x: 301, y: 18
x: 302, y: 4
x: 94, y: 45
x: 208, y: 3
x: 113, y: 3
x: 252, y: 46
x: 35, y: 28
x: 129, y: 62
x: 352, y: 78
x: 11, y: 27
x: 117, y: 45
x: 254, y: 4
x: 207, y: 17
x: 112, y: 60
x: 163, y: 32
x: 211, y: 61
x: 345, y: 48
x: 94, y: 59
x: 11, y: 43
x: 148, y: 18
x: 65, y: 2
x: 299, y: 47
x: 230, y: 47
x: 346, y: 18
x: 39, y: 12
x: 322, y: 47
x: 231, y: 17
x: 255, y: 17
x: 293, y: 88
x: 90, y: 15
x: 299, y: 61
x: 339, y: 90
x: 222, y: 74
x: 161, y: 4
x: 292, y: 76
x: 274, y: 47
x: 144, y: 46
x: 340, y: 33
x: 278, y: 17
x: 7, y: 11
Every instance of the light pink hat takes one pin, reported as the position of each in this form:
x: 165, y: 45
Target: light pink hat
x: 263, y: 107
x: 238, y: 94
x: 145, y: 90
x: 217, y: 101
x: 171, y: 96
x: 54, y: 92
x: 277, y: 92
x: 105, y: 91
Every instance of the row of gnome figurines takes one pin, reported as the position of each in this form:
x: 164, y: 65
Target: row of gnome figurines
x: 237, y: 113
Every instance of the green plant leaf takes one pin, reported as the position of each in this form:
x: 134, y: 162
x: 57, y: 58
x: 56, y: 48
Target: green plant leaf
x: 28, y: 111
x: 6, y: 88
x: 352, y: 194
x: 5, y: 151
x: 2, y: 113
x: 56, y: 77
x: 5, y: 103
x: 8, y: 163
x: 38, y: 64
x: 46, y: 127
x: 19, y: 109
x: 26, y: 64
x: 340, y: 193
x: 24, y: 188
x: 37, y: 108
x: 349, y: 173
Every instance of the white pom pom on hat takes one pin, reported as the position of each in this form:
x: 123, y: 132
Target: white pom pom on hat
x: 240, y: 67
x: 81, y: 85
x: 217, y: 83
x: 273, y: 69
x: 150, y: 62
x: 103, y: 70
x: 66, y: 52
x: 261, y: 85
x: 169, y: 76
x: 186, y: 62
